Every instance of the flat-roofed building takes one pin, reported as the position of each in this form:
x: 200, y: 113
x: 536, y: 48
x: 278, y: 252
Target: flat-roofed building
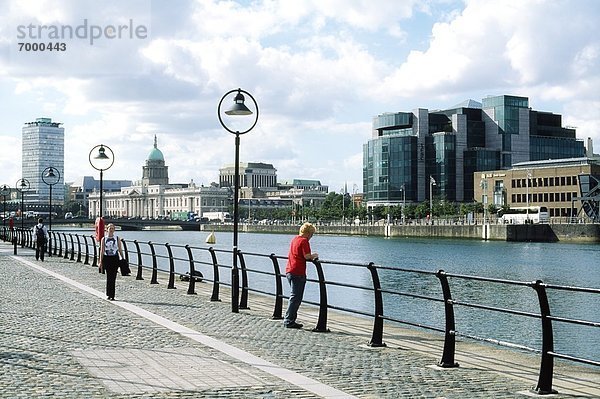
x: 567, y: 187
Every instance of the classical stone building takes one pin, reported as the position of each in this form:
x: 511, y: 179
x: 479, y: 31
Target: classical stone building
x: 154, y: 197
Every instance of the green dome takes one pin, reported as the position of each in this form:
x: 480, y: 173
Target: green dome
x: 156, y: 154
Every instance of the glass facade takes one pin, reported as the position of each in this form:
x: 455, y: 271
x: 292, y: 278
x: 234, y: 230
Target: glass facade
x: 453, y: 148
x: 442, y: 149
x: 42, y: 147
x: 388, y: 164
x: 555, y: 148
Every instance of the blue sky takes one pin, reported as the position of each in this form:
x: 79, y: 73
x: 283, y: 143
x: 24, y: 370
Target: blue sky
x: 319, y: 70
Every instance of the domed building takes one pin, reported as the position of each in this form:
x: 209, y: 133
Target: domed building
x: 153, y: 197
x: 155, y: 171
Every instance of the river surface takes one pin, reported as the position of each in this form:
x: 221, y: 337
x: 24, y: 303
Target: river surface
x: 553, y: 263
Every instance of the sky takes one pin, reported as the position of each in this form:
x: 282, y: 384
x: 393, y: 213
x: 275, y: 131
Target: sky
x: 121, y: 72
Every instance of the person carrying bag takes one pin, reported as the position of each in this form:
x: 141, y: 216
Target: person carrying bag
x: 110, y: 250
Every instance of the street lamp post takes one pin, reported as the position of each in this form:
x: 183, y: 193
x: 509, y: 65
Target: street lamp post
x: 431, y: 184
x: 403, y: 202
x: 101, y: 161
x: 527, y: 193
x: 22, y: 186
x: 50, y: 176
x: 238, y: 109
x: 4, y: 192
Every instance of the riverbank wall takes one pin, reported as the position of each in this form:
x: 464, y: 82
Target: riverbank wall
x: 580, y: 233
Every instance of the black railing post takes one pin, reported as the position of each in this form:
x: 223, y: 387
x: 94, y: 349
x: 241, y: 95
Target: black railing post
x: 216, y: 283
x: 54, y: 241
x: 322, y: 322
x: 154, y: 264
x: 192, y: 286
x: 139, y: 258
x: 449, y: 337
x: 86, y: 260
x: 95, y: 259
x: 66, y: 246
x: 125, y: 251
x: 244, y: 296
x: 278, y: 310
x: 544, y: 384
x: 58, y: 251
x: 377, y: 336
x: 72, y: 246
x: 78, y: 248
x: 171, y: 284
x: 14, y: 241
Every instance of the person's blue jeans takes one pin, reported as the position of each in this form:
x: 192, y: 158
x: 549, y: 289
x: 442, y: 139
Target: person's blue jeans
x: 297, y: 284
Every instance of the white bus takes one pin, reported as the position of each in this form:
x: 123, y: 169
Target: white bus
x: 522, y: 215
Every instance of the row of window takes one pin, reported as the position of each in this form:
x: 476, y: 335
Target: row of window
x: 543, y: 197
x: 562, y: 212
x: 545, y: 182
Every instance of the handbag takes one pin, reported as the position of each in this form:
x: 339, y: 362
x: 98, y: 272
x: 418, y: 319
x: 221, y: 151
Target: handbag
x: 124, y: 266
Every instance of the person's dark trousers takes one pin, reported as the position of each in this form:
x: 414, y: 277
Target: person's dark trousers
x: 111, y: 265
x: 297, y: 284
x: 40, y: 248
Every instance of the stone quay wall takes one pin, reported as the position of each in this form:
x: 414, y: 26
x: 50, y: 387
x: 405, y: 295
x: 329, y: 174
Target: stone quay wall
x: 583, y: 233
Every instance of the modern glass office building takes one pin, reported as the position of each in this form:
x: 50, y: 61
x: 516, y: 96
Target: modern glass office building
x: 43, y: 145
x: 407, y: 149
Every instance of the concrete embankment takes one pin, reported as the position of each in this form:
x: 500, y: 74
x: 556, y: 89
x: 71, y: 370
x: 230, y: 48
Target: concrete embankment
x: 504, y: 232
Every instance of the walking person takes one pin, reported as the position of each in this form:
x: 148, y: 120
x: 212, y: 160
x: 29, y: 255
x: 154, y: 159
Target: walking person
x: 110, y: 250
x: 295, y: 272
x: 41, y: 238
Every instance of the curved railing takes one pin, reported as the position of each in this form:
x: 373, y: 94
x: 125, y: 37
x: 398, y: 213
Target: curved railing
x: 262, y: 274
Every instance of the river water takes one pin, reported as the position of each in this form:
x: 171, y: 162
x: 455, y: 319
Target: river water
x: 553, y: 263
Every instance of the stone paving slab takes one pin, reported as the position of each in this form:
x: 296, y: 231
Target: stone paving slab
x: 49, y: 325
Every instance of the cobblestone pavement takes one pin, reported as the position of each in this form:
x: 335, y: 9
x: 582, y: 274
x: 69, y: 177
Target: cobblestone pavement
x: 58, y: 340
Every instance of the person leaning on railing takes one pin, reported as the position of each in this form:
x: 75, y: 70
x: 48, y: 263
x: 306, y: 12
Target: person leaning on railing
x: 295, y: 272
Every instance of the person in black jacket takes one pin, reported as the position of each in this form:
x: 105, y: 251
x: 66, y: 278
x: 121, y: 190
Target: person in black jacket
x: 41, y: 238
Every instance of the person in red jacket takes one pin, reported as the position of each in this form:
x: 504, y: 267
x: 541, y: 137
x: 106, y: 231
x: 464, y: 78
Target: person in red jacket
x: 295, y: 272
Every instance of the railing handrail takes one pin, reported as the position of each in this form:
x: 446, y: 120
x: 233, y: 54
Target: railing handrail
x: 541, y: 289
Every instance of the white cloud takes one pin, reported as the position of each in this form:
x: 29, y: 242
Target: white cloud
x: 320, y: 70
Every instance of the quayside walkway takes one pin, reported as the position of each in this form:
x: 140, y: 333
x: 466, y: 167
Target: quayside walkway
x: 61, y: 338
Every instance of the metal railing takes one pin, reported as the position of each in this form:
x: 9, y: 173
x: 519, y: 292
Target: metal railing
x: 261, y: 271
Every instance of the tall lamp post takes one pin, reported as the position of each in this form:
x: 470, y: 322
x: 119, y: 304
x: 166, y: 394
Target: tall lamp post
x: 100, y: 160
x: 431, y: 184
x: 4, y: 192
x: 527, y: 194
x: 403, y: 188
x: 22, y: 186
x: 238, y: 109
x: 50, y: 176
